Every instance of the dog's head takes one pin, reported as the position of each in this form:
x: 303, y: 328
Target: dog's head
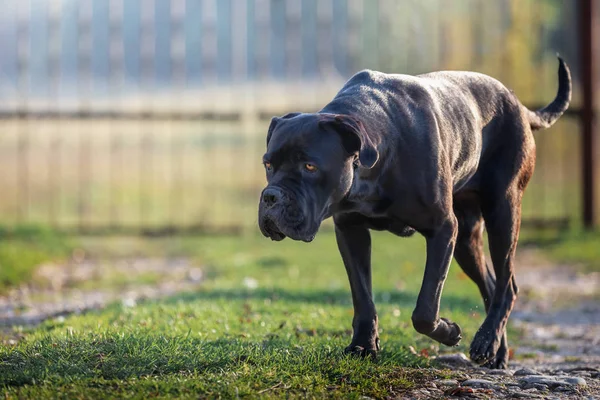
x: 309, y: 163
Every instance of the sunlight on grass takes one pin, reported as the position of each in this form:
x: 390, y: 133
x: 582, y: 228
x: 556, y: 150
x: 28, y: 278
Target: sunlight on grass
x: 284, y: 334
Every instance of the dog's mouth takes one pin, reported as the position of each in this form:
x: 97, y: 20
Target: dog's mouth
x: 285, y: 217
x: 271, y: 230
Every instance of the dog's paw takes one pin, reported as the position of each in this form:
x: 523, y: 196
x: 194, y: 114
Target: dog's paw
x: 360, y: 351
x: 445, y: 332
x: 500, y: 361
x: 497, y: 363
x: 363, y: 351
x: 484, y: 348
x: 454, y: 335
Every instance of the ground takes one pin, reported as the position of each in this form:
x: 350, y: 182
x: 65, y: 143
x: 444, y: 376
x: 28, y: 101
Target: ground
x: 239, y: 317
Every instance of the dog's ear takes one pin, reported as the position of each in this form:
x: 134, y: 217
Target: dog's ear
x: 275, y: 121
x: 354, y: 138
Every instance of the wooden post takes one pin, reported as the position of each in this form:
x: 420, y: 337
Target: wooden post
x: 588, y: 149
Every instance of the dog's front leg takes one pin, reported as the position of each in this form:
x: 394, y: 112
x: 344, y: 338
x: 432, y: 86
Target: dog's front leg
x: 425, y: 318
x: 354, y: 243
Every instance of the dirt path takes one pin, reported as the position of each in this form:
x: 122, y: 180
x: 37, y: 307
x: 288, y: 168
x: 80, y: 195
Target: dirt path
x: 558, y: 355
x: 81, y: 285
x: 558, y: 315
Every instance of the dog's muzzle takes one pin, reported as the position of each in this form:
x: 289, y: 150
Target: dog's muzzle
x: 279, y: 216
x: 270, y: 230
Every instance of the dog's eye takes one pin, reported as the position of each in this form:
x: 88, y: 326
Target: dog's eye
x: 310, y: 167
x: 268, y: 166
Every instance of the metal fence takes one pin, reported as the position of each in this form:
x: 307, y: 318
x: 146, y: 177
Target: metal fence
x: 150, y: 115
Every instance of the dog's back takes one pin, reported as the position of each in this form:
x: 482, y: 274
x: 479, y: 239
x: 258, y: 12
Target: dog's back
x: 469, y: 115
x: 447, y: 90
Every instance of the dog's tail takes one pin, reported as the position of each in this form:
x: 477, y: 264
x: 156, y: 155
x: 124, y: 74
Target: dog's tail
x: 547, y: 116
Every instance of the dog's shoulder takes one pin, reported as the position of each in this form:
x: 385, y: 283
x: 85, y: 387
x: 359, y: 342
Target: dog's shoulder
x: 368, y: 77
x: 369, y: 81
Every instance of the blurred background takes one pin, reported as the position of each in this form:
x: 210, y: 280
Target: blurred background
x: 131, y: 143
x: 151, y: 115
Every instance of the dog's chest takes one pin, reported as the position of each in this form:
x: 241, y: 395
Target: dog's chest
x: 381, y: 211
x: 368, y: 205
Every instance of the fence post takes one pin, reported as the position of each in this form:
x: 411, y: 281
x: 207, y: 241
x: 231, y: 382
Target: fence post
x: 588, y: 127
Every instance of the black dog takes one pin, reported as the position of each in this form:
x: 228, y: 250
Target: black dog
x: 439, y: 154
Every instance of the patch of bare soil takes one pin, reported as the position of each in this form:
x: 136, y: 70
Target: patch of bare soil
x: 81, y: 285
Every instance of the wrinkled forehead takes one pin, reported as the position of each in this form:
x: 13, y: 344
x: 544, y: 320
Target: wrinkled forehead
x: 302, y: 135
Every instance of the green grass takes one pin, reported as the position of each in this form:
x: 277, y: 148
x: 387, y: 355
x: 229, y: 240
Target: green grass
x: 24, y: 249
x: 283, y: 338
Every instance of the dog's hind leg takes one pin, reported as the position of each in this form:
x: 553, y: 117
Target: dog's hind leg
x: 469, y: 254
x: 501, y: 206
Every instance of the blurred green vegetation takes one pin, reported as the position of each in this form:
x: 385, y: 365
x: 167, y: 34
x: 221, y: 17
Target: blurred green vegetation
x: 580, y: 248
x: 24, y: 248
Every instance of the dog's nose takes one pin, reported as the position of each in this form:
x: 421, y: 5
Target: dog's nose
x: 271, y: 196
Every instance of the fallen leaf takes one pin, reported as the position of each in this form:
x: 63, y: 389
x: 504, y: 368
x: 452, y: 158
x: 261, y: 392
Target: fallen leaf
x: 459, y: 391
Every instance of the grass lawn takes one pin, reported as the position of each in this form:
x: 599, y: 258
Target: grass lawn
x: 271, y: 321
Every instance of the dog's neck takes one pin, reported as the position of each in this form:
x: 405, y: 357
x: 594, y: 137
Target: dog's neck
x: 365, y: 196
